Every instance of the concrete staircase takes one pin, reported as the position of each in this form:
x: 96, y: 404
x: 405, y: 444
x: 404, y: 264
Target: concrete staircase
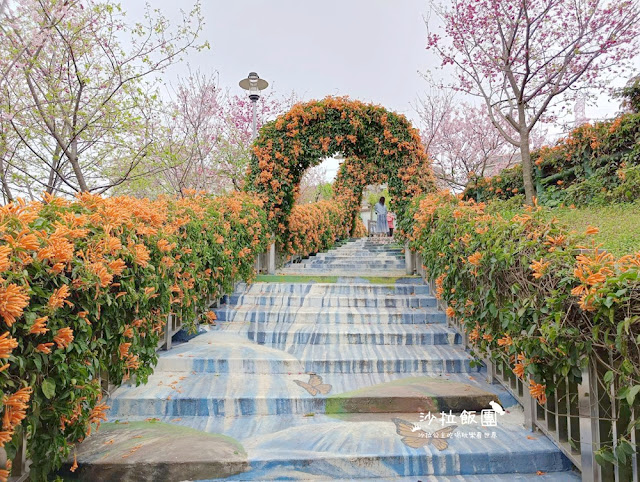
x: 363, y: 257
x: 314, y: 381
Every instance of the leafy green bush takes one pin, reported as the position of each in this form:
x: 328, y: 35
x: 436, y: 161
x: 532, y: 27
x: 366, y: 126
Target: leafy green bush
x: 526, y: 299
x: 86, y: 287
x: 315, y: 227
x: 583, y: 168
x: 629, y: 188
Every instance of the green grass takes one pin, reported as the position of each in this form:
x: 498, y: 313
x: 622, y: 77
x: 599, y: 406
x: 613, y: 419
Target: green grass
x: 619, y: 225
x: 275, y: 278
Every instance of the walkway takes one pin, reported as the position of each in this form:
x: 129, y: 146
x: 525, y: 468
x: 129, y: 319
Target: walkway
x: 322, y: 380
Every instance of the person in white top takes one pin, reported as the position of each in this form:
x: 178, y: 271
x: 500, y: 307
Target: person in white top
x: 382, y: 227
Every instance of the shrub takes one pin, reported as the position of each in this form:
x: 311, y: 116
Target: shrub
x: 587, y: 163
x: 86, y: 288
x: 527, y: 299
x: 315, y: 227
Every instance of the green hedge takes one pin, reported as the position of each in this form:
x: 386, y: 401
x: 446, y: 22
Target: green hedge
x: 594, y: 164
x: 86, y: 287
x: 525, y: 297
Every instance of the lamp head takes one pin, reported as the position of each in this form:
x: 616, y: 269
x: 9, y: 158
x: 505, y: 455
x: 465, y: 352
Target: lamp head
x: 254, y: 84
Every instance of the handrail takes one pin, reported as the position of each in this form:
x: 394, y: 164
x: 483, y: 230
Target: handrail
x: 576, y: 417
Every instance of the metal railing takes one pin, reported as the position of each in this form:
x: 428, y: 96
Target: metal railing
x: 579, y: 419
x: 266, y: 262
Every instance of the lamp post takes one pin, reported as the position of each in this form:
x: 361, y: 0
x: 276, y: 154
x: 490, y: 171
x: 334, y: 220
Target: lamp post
x: 254, y: 85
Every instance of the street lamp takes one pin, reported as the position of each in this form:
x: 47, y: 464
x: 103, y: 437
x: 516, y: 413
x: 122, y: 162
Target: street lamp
x: 254, y: 85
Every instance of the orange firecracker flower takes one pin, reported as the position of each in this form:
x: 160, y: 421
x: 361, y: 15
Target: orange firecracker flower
x: 474, y: 335
x: 141, y: 255
x: 117, y: 266
x: 475, y: 258
x: 539, y: 268
x: 211, y: 316
x: 537, y: 391
x: 74, y: 467
x: 39, y: 326
x: 44, y: 348
x: 124, y: 349
x: 506, y: 340
x: 98, y: 413
x: 13, y: 300
x: 451, y: 313
x: 519, y: 370
x: 59, y: 298
x: 5, y: 252
x: 15, y: 408
x: 7, y: 345
x: 63, y: 337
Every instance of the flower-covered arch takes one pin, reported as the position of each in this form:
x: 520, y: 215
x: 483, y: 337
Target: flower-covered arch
x: 379, y: 146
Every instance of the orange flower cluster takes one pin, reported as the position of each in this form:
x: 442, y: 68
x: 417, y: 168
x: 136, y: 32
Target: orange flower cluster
x: 538, y: 391
x: 593, y: 270
x: 13, y: 301
x: 15, y: 410
x: 315, y: 227
x: 539, y: 268
x: 74, y: 271
x: 475, y: 259
x: 287, y: 147
x: 7, y: 345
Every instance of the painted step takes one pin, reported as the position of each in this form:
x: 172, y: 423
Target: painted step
x: 208, y: 395
x: 374, y: 449
x: 358, y: 255
x: 226, y: 356
x: 350, y: 265
x: 329, y: 301
x: 267, y: 314
x: 284, y: 335
x: 362, y: 273
x: 320, y: 447
x: 236, y: 388
x: 353, y: 447
x: 408, y: 286
x: 387, y: 262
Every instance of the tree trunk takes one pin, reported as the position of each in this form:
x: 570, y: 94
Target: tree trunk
x: 6, y: 190
x: 527, y: 170
x: 53, y: 172
x: 75, y: 164
x: 525, y: 154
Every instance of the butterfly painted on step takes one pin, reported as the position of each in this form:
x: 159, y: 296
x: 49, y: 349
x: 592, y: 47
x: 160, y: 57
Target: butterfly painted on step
x: 414, y: 437
x: 315, y: 385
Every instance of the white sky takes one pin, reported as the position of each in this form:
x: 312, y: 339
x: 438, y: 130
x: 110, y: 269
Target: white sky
x: 370, y: 50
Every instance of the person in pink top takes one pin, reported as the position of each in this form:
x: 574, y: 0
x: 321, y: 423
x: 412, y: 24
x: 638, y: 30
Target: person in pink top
x: 391, y: 218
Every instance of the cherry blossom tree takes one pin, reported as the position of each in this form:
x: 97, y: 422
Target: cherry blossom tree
x: 189, y: 125
x: 204, y: 138
x: 80, y: 95
x: 234, y: 147
x: 462, y: 141
x: 523, y: 56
